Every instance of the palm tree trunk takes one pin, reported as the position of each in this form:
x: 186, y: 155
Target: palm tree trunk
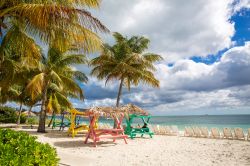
x: 118, y: 99
x: 119, y: 94
x: 42, y: 115
x: 19, y: 114
x: 29, y: 112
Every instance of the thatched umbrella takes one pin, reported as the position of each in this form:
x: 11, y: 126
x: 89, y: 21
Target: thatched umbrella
x: 117, y: 111
x: 133, y: 109
x: 108, y: 112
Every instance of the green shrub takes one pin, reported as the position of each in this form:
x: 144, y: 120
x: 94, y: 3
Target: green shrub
x: 23, y: 118
x: 8, y: 115
x: 19, y: 148
x: 32, y: 120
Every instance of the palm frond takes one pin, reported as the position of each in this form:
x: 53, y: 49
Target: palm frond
x: 36, y: 85
x: 72, y: 86
x: 80, y: 76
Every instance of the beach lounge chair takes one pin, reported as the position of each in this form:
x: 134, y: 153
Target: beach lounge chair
x: 215, y: 133
x: 160, y: 129
x: 204, y: 132
x: 188, y: 132
x: 227, y: 133
x: 167, y: 130
x: 239, y: 134
x: 174, y: 130
x: 155, y: 129
x: 197, y: 132
x: 248, y: 135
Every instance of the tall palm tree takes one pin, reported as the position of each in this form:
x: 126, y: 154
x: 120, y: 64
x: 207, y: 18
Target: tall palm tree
x: 62, y: 24
x: 56, y: 70
x: 126, y: 61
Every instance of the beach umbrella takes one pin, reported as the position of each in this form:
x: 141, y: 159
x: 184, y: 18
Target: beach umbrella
x: 117, y: 111
x: 133, y: 109
x: 108, y: 112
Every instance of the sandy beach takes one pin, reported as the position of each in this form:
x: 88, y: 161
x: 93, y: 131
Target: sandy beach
x: 160, y: 150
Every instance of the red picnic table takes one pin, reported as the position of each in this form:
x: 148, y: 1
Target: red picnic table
x: 98, y: 134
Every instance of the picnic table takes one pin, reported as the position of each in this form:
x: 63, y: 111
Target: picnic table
x: 75, y: 127
x: 98, y: 134
x: 62, y: 124
x: 133, y: 131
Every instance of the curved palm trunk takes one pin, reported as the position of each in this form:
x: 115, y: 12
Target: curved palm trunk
x: 19, y: 114
x: 118, y: 99
x: 42, y: 115
x: 119, y: 94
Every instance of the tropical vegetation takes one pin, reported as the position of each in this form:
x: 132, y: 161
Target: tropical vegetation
x: 28, y: 77
x: 126, y: 61
x: 8, y: 115
x: 19, y: 148
x: 55, y: 81
x: 41, y: 41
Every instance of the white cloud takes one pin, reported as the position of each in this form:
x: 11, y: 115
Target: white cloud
x: 241, y: 5
x: 177, y: 29
x: 195, y: 86
x: 96, y: 102
x: 186, y: 86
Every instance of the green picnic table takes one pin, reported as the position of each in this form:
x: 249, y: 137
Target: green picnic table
x: 133, y: 131
x: 62, y: 124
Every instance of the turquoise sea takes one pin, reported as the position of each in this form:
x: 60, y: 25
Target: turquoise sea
x: 219, y: 121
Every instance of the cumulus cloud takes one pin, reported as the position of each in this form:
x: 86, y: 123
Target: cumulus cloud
x: 232, y: 70
x: 177, y: 29
x: 242, y: 4
x: 186, y: 85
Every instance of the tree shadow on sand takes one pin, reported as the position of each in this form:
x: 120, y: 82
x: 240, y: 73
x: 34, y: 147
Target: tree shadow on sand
x: 60, y: 134
x: 80, y: 143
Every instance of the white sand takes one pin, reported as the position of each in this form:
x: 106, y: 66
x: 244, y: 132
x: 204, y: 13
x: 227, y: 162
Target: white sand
x: 160, y: 150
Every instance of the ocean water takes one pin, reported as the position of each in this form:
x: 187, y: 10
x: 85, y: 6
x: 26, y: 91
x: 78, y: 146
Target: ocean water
x: 209, y: 121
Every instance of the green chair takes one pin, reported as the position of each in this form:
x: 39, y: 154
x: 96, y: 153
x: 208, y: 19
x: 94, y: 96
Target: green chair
x: 133, y: 131
x: 62, y: 124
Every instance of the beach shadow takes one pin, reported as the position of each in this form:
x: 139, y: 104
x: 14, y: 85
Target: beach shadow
x: 80, y: 143
x: 32, y: 132
x: 139, y: 137
x: 62, y: 134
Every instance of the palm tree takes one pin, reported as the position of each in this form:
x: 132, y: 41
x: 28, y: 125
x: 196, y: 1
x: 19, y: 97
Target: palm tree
x: 56, y: 70
x: 61, y: 24
x: 126, y: 62
x: 67, y: 21
x: 16, y: 93
x: 57, y: 100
